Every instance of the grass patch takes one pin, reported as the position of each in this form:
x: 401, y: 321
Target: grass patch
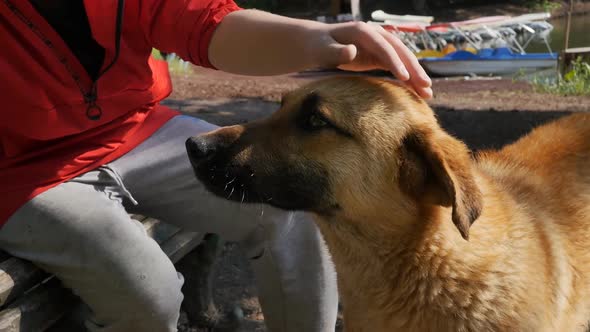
x: 175, y: 64
x: 575, y: 82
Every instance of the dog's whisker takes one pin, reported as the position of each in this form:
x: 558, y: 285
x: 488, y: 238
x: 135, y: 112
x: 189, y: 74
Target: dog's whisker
x: 243, y: 195
x: 230, y: 182
x: 232, y: 191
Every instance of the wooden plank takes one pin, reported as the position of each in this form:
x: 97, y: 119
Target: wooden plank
x: 138, y: 217
x: 181, y: 244
x: 580, y: 50
x: 159, y: 231
x: 570, y: 55
x: 4, y: 256
x: 17, y: 275
x: 38, y: 310
x: 42, y: 306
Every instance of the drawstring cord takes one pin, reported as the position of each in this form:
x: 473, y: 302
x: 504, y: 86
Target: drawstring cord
x: 117, y: 178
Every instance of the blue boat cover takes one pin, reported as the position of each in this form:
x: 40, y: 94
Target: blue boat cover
x: 501, y: 53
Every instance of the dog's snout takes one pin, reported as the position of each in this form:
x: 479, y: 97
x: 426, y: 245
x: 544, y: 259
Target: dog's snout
x: 206, y: 145
x: 200, y: 147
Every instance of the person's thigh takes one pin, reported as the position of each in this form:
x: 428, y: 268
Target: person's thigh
x: 82, y: 234
x: 293, y: 269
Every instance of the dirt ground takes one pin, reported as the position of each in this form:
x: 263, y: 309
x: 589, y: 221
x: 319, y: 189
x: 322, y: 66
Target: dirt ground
x: 457, y: 93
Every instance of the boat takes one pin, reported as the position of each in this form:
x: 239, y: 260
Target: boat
x: 420, y: 33
x: 488, y: 45
x: 498, y: 61
x: 380, y: 15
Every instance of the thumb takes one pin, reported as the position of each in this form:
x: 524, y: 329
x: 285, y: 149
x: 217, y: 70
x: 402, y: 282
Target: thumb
x: 339, y: 54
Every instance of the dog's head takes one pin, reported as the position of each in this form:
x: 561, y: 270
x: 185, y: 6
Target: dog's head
x: 342, y: 147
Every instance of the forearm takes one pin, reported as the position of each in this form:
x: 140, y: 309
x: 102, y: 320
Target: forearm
x: 252, y: 42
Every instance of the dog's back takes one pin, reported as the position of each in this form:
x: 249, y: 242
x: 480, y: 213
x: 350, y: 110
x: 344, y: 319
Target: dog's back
x: 549, y: 168
x: 547, y: 175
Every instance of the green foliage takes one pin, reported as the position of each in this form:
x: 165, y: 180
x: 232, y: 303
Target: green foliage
x: 545, y: 5
x: 575, y: 82
x: 175, y: 64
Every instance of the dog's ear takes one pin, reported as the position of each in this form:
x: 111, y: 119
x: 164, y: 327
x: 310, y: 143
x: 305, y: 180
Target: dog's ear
x: 436, y: 168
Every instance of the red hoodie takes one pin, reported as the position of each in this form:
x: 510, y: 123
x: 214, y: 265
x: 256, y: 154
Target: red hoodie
x: 55, y: 122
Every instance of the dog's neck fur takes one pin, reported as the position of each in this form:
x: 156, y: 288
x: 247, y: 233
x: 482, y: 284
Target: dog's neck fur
x: 413, y: 263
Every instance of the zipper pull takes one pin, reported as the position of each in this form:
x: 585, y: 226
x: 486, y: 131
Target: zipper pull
x: 93, y: 111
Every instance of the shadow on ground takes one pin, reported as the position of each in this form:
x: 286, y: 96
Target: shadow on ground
x: 482, y: 129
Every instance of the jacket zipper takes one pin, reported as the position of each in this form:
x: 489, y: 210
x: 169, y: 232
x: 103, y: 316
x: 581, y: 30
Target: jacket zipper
x: 93, y: 110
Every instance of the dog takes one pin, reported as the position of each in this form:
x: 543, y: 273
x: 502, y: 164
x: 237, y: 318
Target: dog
x: 424, y: 235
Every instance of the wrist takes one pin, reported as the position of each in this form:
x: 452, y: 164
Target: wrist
x: 317, y: 41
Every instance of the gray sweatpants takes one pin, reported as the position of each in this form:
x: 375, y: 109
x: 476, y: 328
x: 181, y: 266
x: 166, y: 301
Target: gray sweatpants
x: 81, y: 232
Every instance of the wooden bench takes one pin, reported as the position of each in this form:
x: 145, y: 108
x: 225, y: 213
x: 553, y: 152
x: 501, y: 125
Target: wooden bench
x: 32, y: 300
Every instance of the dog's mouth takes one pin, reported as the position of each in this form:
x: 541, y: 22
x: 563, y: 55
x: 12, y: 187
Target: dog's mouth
x: 281, y: 186
x: 233, y: 183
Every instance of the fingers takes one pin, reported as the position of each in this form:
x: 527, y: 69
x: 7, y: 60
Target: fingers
x: 377, y: 48
x: 418, y: 76
x: 372, y: 45
x: 424, y: 92
x: 340, y: 53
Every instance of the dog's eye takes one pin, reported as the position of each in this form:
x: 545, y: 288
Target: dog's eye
x: 316, y: 121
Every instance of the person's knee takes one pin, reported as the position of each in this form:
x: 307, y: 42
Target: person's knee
x: 157, y: 306
x: 163, y: 308
x: 146, y: 295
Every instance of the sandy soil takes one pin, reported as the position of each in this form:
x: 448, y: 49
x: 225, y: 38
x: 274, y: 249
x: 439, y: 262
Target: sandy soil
x: 461, y: 94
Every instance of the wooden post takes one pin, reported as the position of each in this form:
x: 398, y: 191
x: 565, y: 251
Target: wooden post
x: 568, y: 25
x: 355, y: 10
x: 334, y: 8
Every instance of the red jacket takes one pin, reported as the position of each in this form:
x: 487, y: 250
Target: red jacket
x: 52, y: 126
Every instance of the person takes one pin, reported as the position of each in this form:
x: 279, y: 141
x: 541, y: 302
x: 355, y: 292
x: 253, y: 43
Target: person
x: 84, y: 142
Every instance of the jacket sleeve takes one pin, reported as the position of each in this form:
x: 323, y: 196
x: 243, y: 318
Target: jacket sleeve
x: 184, y: 27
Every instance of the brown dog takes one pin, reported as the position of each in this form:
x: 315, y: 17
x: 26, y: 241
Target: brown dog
x: 395, y: 198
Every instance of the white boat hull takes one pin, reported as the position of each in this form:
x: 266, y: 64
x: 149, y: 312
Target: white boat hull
x: 486, y: 67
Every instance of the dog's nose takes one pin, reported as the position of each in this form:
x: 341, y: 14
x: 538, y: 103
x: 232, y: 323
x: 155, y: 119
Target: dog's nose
x: 200, y: 147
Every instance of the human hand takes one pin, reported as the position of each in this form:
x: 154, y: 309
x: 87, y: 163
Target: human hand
x: 358, y: 46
